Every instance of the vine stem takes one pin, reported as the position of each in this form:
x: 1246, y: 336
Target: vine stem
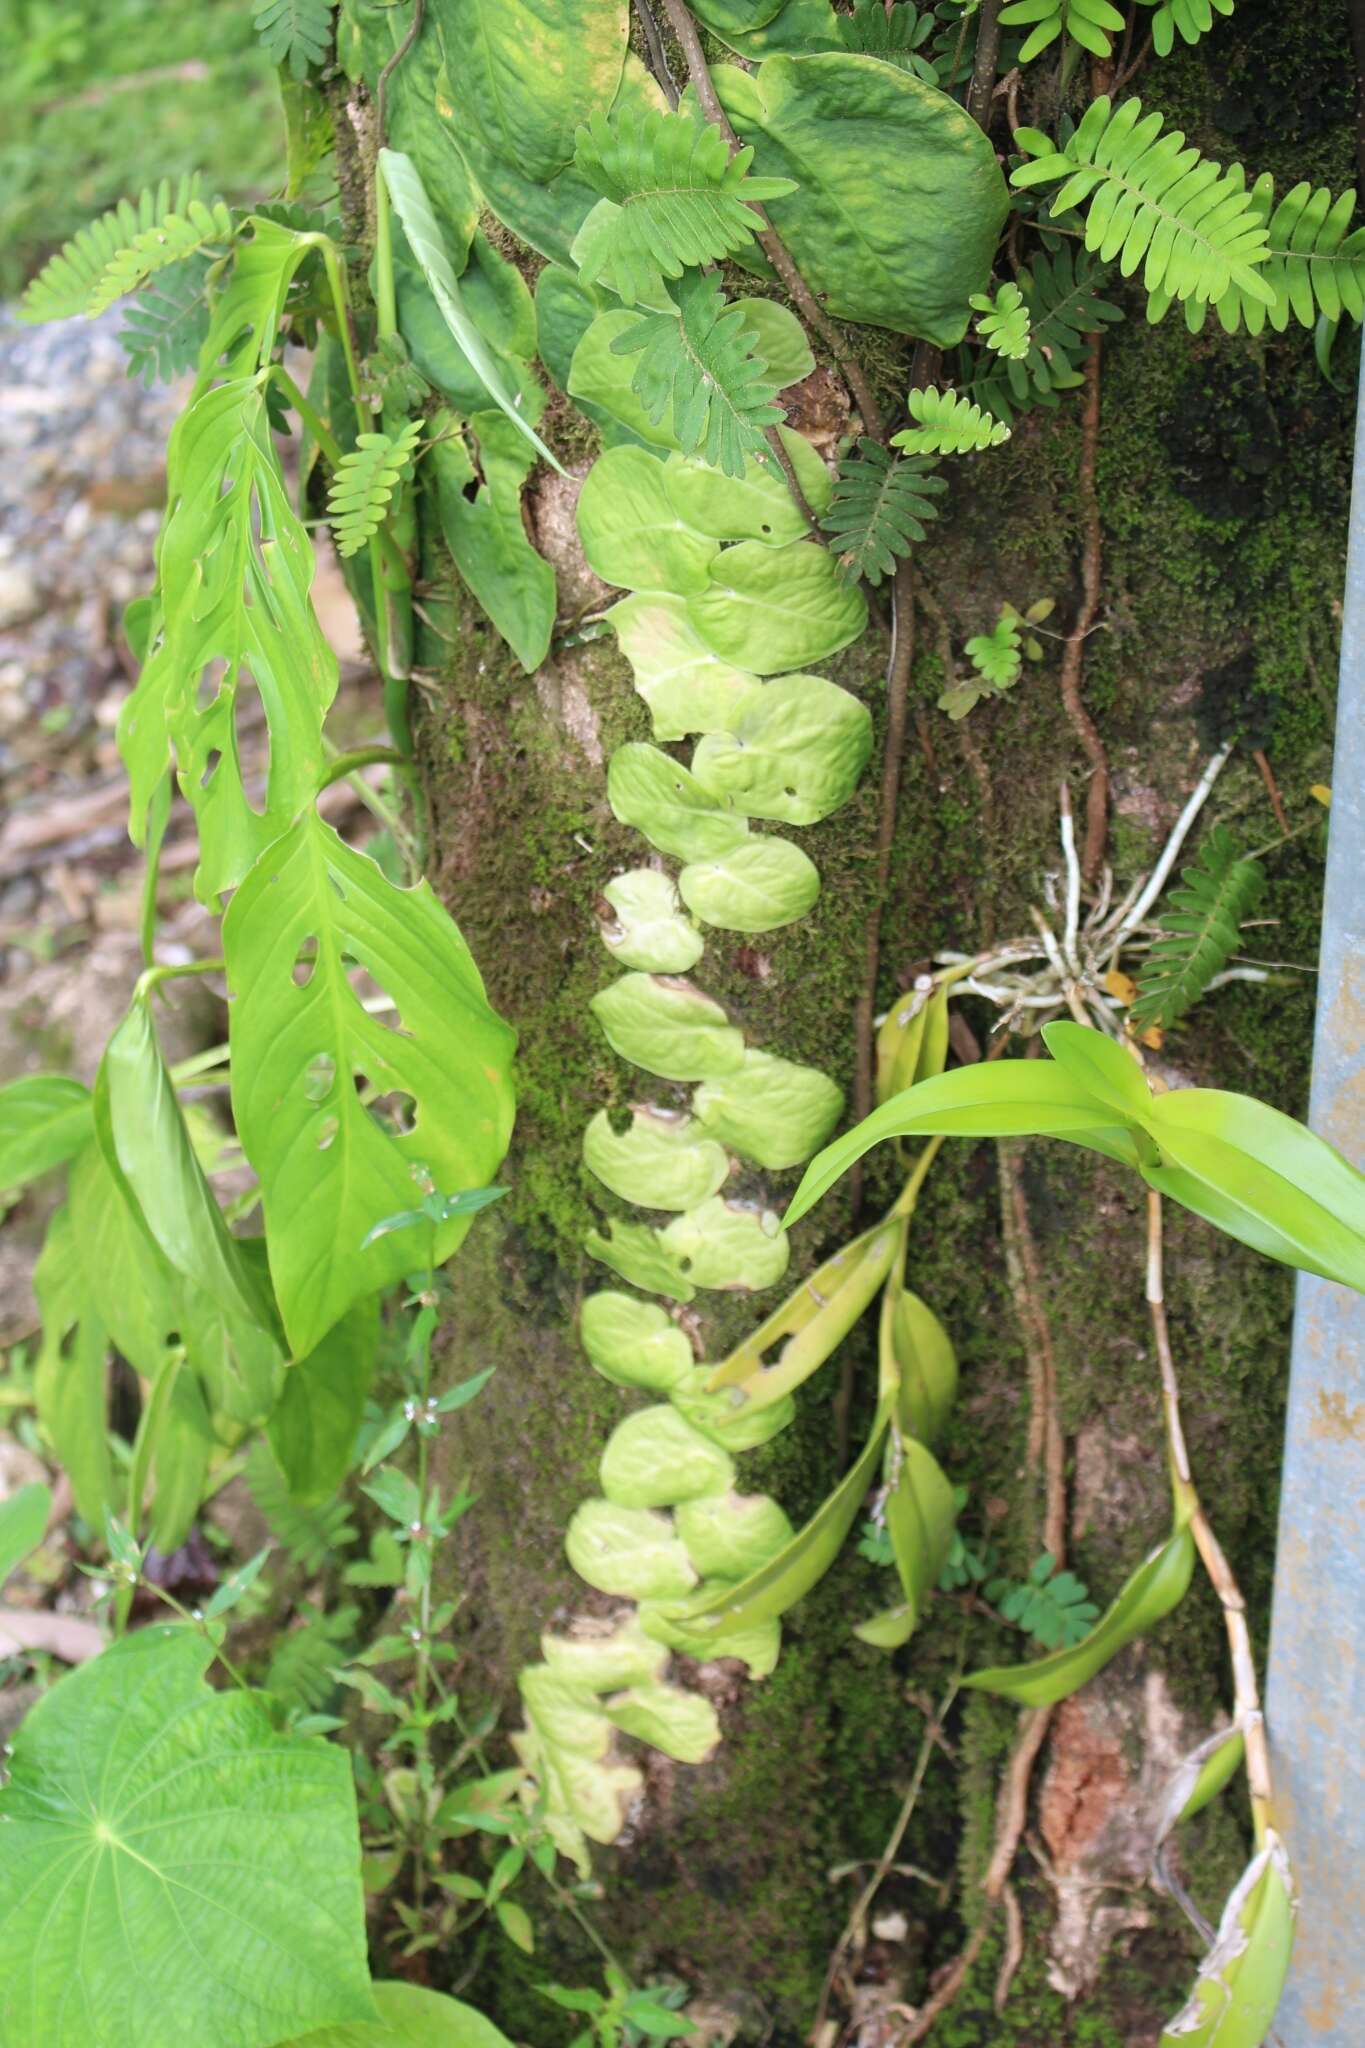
x: 1082, y: 724
x: 984, y: 63
x: 658, y: 57
x: 774, y: 248
x: 1246, y: 1691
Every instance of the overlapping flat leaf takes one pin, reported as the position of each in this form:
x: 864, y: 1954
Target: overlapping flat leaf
x: 686, y: 685
x: 770, y: 609
x: 795, y: 750
x: 757, y: 886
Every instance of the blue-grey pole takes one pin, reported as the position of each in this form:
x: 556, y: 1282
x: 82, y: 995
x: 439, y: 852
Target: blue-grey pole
x: 1315, y: 1695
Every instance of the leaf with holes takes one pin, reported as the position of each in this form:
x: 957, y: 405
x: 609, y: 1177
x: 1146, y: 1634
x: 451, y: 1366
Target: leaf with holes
x: 175, y: 1867
x: 306, y: 918
x: 364, y: 482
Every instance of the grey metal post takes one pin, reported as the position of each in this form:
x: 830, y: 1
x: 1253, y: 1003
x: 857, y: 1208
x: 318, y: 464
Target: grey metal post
x: 1315, y: 1699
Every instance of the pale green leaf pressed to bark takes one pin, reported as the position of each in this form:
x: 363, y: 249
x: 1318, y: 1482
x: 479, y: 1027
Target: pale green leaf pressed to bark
x: 329, y: 1168
x: 175, y: 1869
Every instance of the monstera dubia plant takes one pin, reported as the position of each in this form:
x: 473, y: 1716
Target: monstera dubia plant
x: 642, y: 230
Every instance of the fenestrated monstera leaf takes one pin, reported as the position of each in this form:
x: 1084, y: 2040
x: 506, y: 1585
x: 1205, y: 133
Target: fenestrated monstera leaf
x: 309, y: 913
x: 175, y: 1868
x: 899, y: 197
x: 238, y: 566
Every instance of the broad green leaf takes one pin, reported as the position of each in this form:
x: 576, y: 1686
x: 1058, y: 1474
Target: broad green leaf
x: 648, y: 789
x: 800, y: 28
x: 681, y: 1724
x: 634, y: 1343
x: 239, y: 1365
x: 809, y: 1325
x: 795, y: 750
x: 44, y: 1121
x: 69, y: 1380
x: 630, y: 532
x: 526, y: 75
x: 600, y: 380
x: 583, y: 1797
x: 563, y: 1714
x: 662, y: 1160
x: 301, y: 1039
x: 601, y: 1660
x: 767, y: 1593
x: 912, y: 1043
x: 1263, y: 1178
x: 755, y: 506
x: 918, y: 1350
x: 127, y: 1281
x: 236, y: 568
x: 1103, y: 1069
x: 1010, y: 1098
x: 776, y: 608
x: 410, y: 2017
x: 729, y: 1535
x: 632, y: 1552
x: 920, y: 1514
x: 889, y: 1629
x: 778, y: 336
x: 487, y: 537
x: 176, y: 1868
x: 900, y: 198
x: 685, y: 684
x: 23, y: 1521
x: 726, y: 1417
x: 508, y: 333
x: 146, y: 1144
x: 668, y: 1027
x: 424, y: 239
x: 180, y: 1451
x: 313, y: 1427
x: 757, y: 1644
x: 654, y: 1459
x: 759, y: 885
x: 1158, y: 1585
x: 736, y: 16
x: 637, y: 1252
x: 729, y: 1245
x: 412, y: 116
x: 565, y: 310
x: 1241, y: 1979
x: 648, y: 929
x: 770, y: 1110
x: 1199, y: 1777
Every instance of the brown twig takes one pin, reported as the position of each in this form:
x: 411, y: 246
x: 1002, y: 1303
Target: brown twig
x: 1083, y: 725
x: 658, y: 56
x: 382, y: 83
x: 981, y: 86
x: 1014, y: 1948
x: 1045, y: 1441
x: 772, y: 244
x: 1272, y: 787
x: 788, y: 469
x: 951, y: 1983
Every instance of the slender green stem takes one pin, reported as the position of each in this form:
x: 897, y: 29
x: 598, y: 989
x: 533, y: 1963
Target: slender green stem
x: 385, y: 298
x: 196, y: 1621
x: 151, y: 977
x: 311, y: 417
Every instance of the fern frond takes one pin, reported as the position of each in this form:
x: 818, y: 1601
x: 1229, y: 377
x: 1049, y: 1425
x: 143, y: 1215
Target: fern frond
x: 1088, y: 22
x: 309, y: 1535
x: 72, y: 281
x: 948, y: 424
x: 1199, y: 930
x: 697, y: 363
x: 294, y: 32
x: 1004, y: 326
x: 364, y: 482
x: 300, y: 1670
x: 1316, y: 266
x: 1064, y: 309
x: 896, y: 35
x: 165, y: 327
x: 156, y: 248
x: 1189, y: 18
x: 879, y: 509
x: 683, y: 199
x: 1150, y: 201
x: 997, y: 656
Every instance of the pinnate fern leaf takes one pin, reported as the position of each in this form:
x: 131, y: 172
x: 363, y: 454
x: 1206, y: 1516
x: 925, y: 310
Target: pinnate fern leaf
x: 310, y: 1535
x: 880, y: 505
x: 1199, y: 930
x: 697, y: 363
x: 1316, y: 266
x: 1004, y: 325
x: 123, y: 245
x: 294, y: 32
x: 365, y: 481
x: 948, y: 424
x: 165, y: 327
x: 1190, y: 19
x: 894, y: 34
x: 1065, y: 309
x: 1150, y: 201
x: 683, y: 199
x: 301, y: 1663
x: 1088, y: 22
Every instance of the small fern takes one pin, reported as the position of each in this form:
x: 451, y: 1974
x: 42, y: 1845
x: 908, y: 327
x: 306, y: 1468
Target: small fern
x: 1088, y: 22
x: 896, y: 35
x: 1053, y: 1607
x: 301, y: 1664
x: 1150, y: 201
x: 683, y: 199
x: 1199, y: 929
x: 1316, y: 266
x: 120, y: 250
x: 998, y: 656
x: 294, y: 32
x: 1004, y: 326
x: 165, y: 327
x: 364, y: 482
x: 1191, y: 19
x: 308, y: 1535
x: 1064, y: 310
x: 948, y: 424
x: 697, y: 365
x: 880, y: 505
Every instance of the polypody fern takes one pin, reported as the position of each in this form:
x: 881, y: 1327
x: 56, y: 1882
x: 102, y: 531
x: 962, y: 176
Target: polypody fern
x: 1189, y: 18
x: 1199, y: 930
x: 1004, y: 323
x: 697, y: 363
x: 295, y: 32
x: 1088, y: 22
x: 879, y: 509
x: 948, y: 424
x: 365, y: 481
x: 120, y: 250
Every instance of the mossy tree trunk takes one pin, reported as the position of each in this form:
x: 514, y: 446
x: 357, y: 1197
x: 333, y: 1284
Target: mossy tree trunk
x: 1222, y: 478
